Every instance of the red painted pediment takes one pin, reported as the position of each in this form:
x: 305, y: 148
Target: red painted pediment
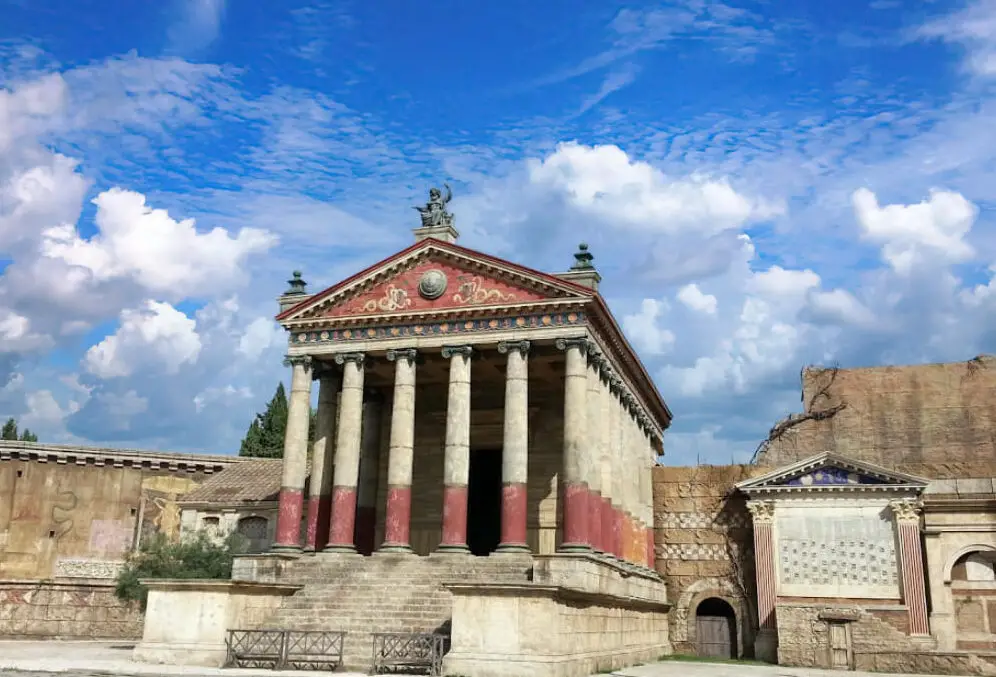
x: 433, y: 277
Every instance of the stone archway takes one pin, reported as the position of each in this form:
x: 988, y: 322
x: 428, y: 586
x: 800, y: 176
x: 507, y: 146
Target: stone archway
x: 685, y: 629
x: 716, y: 629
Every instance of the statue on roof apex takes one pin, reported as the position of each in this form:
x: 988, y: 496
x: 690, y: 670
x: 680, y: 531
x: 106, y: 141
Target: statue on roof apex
x: 434, y: 212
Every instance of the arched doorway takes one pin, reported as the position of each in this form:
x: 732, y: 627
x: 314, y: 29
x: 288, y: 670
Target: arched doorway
x: 715, y: 629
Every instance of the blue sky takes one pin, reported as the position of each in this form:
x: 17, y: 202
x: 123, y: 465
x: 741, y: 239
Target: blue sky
x: 764, y: 186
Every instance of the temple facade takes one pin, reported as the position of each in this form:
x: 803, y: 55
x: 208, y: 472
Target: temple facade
x: 484, y: 445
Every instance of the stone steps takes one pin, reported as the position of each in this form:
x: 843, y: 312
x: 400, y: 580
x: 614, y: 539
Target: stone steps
x: 382, y: 593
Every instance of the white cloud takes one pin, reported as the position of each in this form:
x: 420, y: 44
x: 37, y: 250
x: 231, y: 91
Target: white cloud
x: 974, y: 28
x: 197, y: 26
x: 642, y: 328
x: 158, y: 337
x: 603, y: 181
x: 261, y: 334
x: 167, y: 257
x: 16, y: 335
x: 914, y: 234
x: 692, y: 297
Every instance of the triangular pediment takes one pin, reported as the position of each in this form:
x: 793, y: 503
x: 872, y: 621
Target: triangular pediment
x: 433, y: 277
x: 831, y: 472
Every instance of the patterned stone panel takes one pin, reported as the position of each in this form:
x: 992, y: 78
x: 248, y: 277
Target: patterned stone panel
x: 701, y: 520
x: 416, y: 289
x: 837, y: 554
x: 693, y: 551
x: 87, y: 568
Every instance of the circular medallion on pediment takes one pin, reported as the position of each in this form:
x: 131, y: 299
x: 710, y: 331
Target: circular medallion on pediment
x: 432, y: 284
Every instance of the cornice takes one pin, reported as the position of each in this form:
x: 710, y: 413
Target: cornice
x: 116, y: 458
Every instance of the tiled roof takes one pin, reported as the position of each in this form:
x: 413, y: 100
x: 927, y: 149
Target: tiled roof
x: 249, y: 481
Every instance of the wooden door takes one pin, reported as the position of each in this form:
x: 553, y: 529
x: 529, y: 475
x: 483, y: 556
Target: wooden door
x: 840, y: 647
x: 714, y: 636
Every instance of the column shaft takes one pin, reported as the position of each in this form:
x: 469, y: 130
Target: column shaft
x: 618, y: 420
x: 366, y: 498
x: 907, y: 516
x: 401, y: 459
x: 762, y: 513
x: 347, y: 454
x: 291, y: 501
x: 608, y: 450
x: 573, y: 489
x: 593, y: 455
x: 320, y: 490
x: 456, y: 465
x: 515, y: 448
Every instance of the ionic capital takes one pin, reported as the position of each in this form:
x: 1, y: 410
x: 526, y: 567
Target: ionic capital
x: 762, y: 512
x: 356, y: 358
x: 505, y: 347
x: 567, y: 343
x: 298, y: 361
x: 616, y: 385
x: 906, y: 510
x: 450, y: 351
x: 408, y: 354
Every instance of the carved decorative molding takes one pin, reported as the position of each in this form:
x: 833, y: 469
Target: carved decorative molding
x: 356, y: 358
x: 298, y: 361
x: 505, y: 347
x: 410, y: 354
x: 762, y: 512
x: 567, y: 343
x: 450, y: 351
x: 906, y: 510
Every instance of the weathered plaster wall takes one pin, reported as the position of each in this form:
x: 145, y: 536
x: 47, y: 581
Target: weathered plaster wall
x: 74, y: 518
x: 704, y: 546
x: 66, y: 610
x: 939, y: 418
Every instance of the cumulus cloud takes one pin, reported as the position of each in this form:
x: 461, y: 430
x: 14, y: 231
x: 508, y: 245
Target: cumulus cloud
x: 642, y: 327
x: 604, y: 181
x: 912, y: 234
x: 693, y: 298
x: 157, y: 337
x: 973, y: 27
x: 167, y: 257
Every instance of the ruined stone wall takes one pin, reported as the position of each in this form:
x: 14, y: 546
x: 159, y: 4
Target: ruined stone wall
x: 486, y: 433
x: 66, y: 611
x: 704, y: 547
x: 938, y: 418
x: 69, y: 517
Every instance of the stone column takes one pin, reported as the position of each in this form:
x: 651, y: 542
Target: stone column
x: 907, y: 516
x: 649, y: 497
x: 295, y: 463
x: 515, y: 447
x: 766, y: 643
x: 397, y: 536
x: 573, y: 485
x: 456, y: 465
x: 593, y: 456
x: 618, y: 420
x: 347, y: 454
x: 320, y: 489
x: 366, y: 498
x: 623, y: 517
x: 608, y: 449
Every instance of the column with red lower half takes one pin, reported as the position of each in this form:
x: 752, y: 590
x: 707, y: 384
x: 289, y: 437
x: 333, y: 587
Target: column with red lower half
x: 347, y: 454
x: 397, y: 521
x: 593, y: 452
x: 290, y: 505
x: 573, y: 485
x: 456, y: 464
x: 515, y: 447
x: 366, y: 498
x: 907, y: 517
x: 763, y: 516
x: 320, y: 487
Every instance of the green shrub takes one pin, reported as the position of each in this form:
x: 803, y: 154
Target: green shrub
x: 196, y: 557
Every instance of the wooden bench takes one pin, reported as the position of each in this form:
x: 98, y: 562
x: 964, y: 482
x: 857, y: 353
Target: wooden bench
x: 408, y: 651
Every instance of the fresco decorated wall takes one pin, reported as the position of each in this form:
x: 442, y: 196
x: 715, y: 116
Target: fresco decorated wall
x: 75, y: 513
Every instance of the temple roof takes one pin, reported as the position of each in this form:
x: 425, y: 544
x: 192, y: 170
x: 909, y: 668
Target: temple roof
x: 251, y: 481
x: 828, y: 472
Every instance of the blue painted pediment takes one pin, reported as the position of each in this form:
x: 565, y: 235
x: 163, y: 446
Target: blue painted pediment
x: 829, y: 476
x: 831, y: 472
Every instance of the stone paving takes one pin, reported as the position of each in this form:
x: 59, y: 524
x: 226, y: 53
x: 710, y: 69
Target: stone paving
x: 99, y: 659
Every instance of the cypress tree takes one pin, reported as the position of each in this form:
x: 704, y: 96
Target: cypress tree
x: 9, y: 431
x: 265, y: 437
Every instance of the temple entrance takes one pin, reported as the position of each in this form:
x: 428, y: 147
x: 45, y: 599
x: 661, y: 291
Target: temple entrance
x: 715, y: 629
x: 484, y: 502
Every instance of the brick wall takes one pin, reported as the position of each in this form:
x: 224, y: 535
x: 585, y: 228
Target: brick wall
x: 66, y: 611
x: 918, y: 416
x: 704, y: 547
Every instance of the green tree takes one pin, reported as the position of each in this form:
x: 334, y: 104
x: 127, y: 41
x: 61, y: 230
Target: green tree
x: 9, y: 431
x: 28, y: 436
x: 197, y: 557
x: 265, y: 436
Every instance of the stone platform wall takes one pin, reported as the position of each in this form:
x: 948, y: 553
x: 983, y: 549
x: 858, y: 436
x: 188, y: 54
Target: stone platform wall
x: 66, y: 611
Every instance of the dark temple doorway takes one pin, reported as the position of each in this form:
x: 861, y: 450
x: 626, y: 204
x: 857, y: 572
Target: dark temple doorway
x: 715, y: 629
x: 484, y: 501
